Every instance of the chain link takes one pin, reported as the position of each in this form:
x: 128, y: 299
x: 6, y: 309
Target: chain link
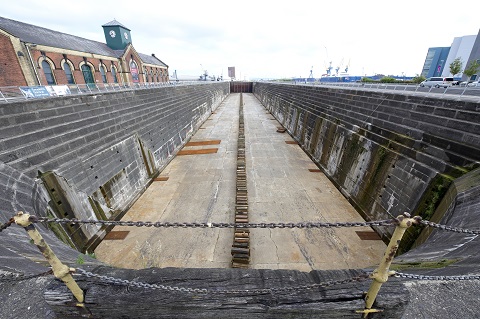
x: 7, y: 224
x: 116, y: 281
x: 12, y: 277
x: 424, y: 277
x: 450, y: 228
x: 386, y: 222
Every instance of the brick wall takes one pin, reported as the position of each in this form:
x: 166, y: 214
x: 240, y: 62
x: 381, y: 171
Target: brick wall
x: 10, y: 70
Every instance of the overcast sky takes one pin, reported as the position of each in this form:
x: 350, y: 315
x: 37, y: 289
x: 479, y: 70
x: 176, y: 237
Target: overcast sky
x: 268, y: 39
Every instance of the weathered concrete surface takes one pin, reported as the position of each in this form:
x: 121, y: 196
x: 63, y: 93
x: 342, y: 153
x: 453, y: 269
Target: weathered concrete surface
x: 201, y: 188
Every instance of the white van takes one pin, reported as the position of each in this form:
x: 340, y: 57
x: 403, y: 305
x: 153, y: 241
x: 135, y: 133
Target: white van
x: 437, y: 82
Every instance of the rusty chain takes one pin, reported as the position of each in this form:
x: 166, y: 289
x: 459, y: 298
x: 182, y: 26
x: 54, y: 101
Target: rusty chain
x: 7, y: 224
x: 450, y: 228
x: 386, y: 222
x: 425, y: 277
x: 117, y: 281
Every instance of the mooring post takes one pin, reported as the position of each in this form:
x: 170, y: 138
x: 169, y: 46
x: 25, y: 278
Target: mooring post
x: 381, y: 274
x: 60, y: 270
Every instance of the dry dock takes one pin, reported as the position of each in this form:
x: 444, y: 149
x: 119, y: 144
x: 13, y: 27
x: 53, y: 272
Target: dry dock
x: 284, y: 185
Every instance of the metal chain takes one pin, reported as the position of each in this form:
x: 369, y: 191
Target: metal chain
x: 11, y: 277
x: 450, y: 228
x: 116, y: 281
x: 386, y: 222
x: 424, y: 277
x: 7, y: 224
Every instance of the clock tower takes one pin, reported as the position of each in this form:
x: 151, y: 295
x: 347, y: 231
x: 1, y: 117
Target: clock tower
x: 116, y: 35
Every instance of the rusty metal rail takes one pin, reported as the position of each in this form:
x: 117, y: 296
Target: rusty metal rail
x: 241, y: 240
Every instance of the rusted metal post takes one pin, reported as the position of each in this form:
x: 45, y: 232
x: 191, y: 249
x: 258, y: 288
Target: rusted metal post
x: 381, y: 274
x: 60, y: 270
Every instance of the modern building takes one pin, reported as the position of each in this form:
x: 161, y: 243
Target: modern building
x: 438, y: 59
x: 474, y: 56
x: 461, y: 48
x: 435, y: 61
x: 32, y: 55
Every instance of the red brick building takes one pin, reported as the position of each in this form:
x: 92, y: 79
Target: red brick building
x: 33, y: 55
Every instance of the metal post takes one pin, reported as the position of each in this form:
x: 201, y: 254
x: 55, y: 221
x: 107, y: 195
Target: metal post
x: 60, y: 270
x: 381, y: 274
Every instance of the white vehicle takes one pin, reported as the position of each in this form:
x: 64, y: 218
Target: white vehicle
x: 437, y: 82
x: 474, y: 83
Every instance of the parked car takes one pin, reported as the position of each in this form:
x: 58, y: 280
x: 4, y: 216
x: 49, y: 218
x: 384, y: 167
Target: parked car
x: 437, y: 82
x: 474, y: 83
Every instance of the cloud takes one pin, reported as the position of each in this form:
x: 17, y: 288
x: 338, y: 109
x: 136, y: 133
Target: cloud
x: 267, y: 38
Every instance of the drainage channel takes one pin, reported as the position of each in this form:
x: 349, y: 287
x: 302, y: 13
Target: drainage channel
x: 241, y: 241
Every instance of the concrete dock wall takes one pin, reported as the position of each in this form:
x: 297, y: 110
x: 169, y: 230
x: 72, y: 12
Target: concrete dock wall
x: 388, y: 153
x: 94, y: 154
x: 91, y: 156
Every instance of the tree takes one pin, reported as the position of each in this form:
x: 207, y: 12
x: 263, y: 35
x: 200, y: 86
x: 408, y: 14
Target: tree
x: 456, y: 66
x: 418, y: 79
x: 471, y: 69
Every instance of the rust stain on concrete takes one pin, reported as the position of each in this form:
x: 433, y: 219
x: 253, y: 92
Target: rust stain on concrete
x: 368, y: 235
x: 198, y: 143
x: 200, y: 151
x: 116, y: 235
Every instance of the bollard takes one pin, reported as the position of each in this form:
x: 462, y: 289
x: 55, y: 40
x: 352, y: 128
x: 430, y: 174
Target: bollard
x: 60, y: 270
x: 381, y: 274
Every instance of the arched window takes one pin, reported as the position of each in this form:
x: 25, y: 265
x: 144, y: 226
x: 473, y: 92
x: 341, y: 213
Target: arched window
x: 134, y: 71
x: 145, y: 71
x: 68, y: 73
x: 47, y: 70
x: 114, y: 74
x: 151, y: 75
x: 87, y: 74
x: 103, y: 73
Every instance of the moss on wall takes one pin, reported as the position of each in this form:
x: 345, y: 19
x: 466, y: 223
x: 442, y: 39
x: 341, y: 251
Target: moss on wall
x: 376, y: 175
x: 428, y: 204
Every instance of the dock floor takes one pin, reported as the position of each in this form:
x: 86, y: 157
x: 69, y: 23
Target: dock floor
x: 283, y: 184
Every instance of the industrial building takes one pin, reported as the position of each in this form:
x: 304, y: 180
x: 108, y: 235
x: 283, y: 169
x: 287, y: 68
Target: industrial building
x: 32, y: 55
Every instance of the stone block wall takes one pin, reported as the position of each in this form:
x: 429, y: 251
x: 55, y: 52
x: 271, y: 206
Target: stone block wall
x: 91, y: 156
x: 388, y: 153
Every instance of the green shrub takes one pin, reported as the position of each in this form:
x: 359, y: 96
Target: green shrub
x: 387, y: 79
x: 418, y: 78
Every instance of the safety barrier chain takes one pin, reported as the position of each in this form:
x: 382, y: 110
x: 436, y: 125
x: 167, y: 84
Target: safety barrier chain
x: 385, y: 222
x: 380, y: 275
x: 425, y: 277
x: 450, y: 228
x: 117, y: 281
x: 14, y: 277
x: 7, y: 224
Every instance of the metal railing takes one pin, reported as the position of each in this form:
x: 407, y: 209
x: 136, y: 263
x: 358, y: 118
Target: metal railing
x: 18, y: 93
x: 470, y: 91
